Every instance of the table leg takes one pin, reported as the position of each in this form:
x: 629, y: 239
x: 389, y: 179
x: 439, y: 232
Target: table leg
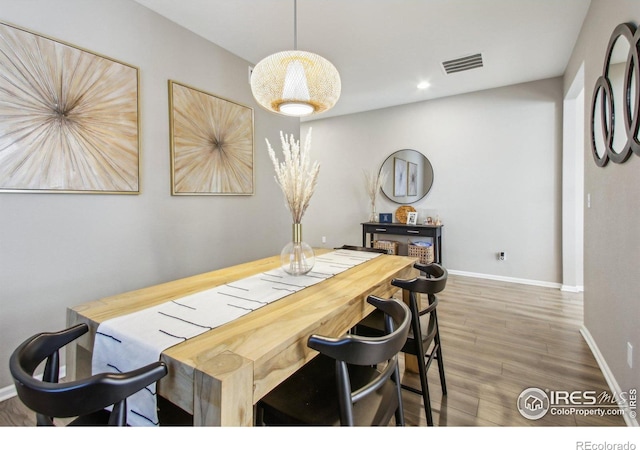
x: 223, y: 391
x: 78, y: 352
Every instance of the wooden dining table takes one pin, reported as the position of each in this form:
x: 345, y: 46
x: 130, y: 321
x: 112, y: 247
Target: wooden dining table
x: 221, y: 374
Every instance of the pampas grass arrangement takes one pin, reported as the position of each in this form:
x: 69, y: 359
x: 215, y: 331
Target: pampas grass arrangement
x: 373, y: 183
x: 296, y: 175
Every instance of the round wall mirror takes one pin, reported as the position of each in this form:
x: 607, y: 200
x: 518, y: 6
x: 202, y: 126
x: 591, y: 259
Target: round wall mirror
x: 600, y: 123
x: 615, y: 110
x: 615, y: 73
x: 409, y: 176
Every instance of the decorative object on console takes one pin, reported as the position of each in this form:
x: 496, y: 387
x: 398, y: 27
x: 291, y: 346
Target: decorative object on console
x: 422, y: 250
x: 402, y: 213
x: 211, y: 144
x: 69, y: 118
x: 386, y: 218
x: 615, y: 107
x: 412, y: 218
x: 390, y: 246
x: 372, y: 184
x: 295, y: 83
x: 297, y: 177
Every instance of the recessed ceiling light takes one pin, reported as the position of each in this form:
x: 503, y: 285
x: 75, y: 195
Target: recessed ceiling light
x: 423, y: 85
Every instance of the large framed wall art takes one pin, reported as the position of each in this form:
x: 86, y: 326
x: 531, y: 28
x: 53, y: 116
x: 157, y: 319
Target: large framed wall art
x: 68, y: 118
x: 212, y: 150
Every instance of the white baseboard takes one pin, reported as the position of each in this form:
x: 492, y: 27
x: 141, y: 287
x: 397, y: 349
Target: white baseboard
x: 7, y: 392
x: 506, y: 279
x: 10, y: 391
x: 567, y: 288
x: 604, y: 367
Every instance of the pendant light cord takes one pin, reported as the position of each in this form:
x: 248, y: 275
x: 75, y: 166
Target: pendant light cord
x: 295, y: 24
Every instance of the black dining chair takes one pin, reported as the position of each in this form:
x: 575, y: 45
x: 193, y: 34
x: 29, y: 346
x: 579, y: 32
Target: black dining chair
x: 362, y: 249
x: 354, y: 381
x: 84, y: 400
x: 424, y: 324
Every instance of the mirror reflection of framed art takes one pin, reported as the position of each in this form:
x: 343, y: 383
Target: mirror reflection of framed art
x: 399, y: 177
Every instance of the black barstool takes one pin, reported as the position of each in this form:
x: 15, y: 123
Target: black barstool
x: 424, y: 323
x: 362, y: 249
x: 353, y: 381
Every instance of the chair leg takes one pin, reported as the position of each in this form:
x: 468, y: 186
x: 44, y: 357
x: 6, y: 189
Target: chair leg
x: 118, y: 416
x: 420, y: 355
x: 443, y: 382
x: 400, y: 410
x: 422, y: 366
x: 422, y: 370
x: 258, y: 414
x: 438, y: 356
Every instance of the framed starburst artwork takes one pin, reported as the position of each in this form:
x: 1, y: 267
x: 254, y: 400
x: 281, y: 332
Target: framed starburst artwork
x: 68, y: 118
x: 211, y: 144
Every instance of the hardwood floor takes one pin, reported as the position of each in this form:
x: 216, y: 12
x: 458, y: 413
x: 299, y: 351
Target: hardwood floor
x: 498, y: 339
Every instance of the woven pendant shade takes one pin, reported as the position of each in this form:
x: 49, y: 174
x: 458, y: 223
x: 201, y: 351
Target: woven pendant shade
x: 295, y: 83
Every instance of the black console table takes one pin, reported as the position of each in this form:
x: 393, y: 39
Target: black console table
x: 432, y: 231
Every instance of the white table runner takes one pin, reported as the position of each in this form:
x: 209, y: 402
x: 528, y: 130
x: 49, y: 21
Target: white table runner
x: 135, y: 340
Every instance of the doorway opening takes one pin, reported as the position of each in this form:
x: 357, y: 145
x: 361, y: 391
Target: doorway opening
x: 573, y: 186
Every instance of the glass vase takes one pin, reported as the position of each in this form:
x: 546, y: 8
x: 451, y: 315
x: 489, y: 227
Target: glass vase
x: 373, y: 216
x: 297, y: 257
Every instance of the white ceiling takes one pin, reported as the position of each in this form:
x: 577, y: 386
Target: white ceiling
x: 384, y: 48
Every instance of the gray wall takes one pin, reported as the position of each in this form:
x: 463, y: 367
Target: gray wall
x: 612, y: 241
x: 58, y: 250
x: 496, y: 156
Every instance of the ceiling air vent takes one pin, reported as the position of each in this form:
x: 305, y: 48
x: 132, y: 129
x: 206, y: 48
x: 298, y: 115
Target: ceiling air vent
x: 462, y: 64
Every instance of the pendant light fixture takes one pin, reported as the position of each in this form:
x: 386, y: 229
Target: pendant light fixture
x: 295, y: 82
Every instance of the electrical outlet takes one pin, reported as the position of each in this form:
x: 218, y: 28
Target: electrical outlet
x: 630, y: 355
x: 502, y: 256
x: 324, y: 239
